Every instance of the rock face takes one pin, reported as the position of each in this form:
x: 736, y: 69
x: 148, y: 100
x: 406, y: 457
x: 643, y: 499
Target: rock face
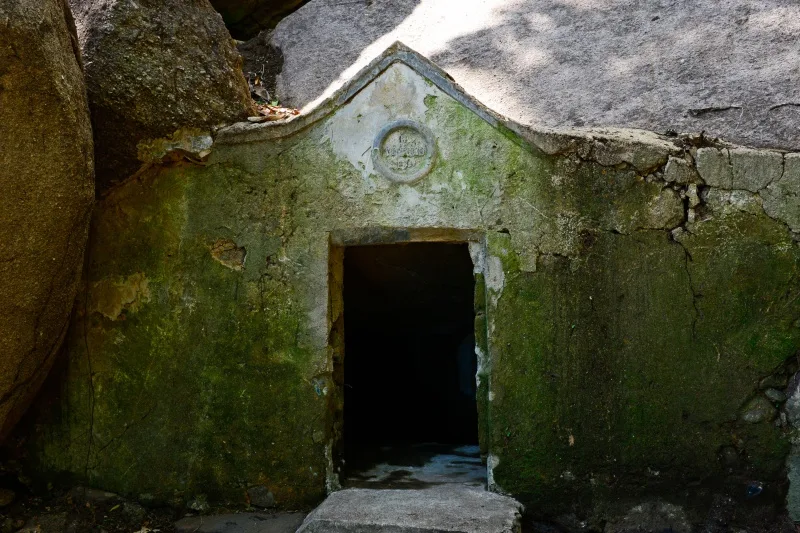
x: 153, y: 67
x: 46, y: 192
x: 245, y: 18
x: 724, y: 68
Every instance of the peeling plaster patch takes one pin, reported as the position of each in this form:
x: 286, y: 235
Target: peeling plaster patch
x: 227, y: 253
x: 186, y: 142
x: 445, y: 187
x: 495, y: 277
x: 481, y: 365
x: 491, y: 463
x: 332, y: 483
x: 111, y: 298
x: 640, y: 149
x: 495, y: 281
x: 415, y: 208
x: 409, y: 197
x: 477, y: 252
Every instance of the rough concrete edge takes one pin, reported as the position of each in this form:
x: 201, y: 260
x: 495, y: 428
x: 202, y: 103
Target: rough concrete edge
x: 545, y: 140
x: 245, y: 132
x: 313, y: 518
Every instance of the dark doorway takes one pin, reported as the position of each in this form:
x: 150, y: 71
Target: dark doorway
x: 410, y: 363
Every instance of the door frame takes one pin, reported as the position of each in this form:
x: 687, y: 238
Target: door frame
x: 339, y: 240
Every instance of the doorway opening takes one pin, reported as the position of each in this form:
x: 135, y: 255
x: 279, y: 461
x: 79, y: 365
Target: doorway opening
x: 410, y: 410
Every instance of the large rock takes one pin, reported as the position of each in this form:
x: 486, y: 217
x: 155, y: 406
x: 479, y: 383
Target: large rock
x: 728, y: 68
x: 245, y: 18
x: 151, y: 68
x: 46, y: 192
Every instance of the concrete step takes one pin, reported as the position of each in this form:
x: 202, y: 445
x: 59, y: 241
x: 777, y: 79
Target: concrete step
x: 440, y: 508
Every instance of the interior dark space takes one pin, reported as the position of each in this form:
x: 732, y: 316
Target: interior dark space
x: 410, y: 363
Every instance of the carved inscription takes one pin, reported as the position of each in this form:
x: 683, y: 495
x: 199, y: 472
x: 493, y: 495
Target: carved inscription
x: 403, y: 151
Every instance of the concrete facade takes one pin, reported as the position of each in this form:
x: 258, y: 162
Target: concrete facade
x: 633, y: 294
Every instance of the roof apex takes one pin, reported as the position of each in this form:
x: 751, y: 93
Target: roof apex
x: 618, y: 145
x: 397, y: 52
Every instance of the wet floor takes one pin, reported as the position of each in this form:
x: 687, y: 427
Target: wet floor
x: 417, y: 466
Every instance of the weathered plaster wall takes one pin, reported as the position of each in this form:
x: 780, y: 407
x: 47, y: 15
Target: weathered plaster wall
x: 632, y: 305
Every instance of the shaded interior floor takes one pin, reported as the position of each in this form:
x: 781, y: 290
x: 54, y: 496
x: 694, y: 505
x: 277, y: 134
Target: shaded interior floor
x: 418, y: 466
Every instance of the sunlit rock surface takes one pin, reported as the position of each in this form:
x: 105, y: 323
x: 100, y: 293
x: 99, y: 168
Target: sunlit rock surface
x: 728, y: 68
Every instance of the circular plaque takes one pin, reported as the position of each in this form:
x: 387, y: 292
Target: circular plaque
x: 403, y: 151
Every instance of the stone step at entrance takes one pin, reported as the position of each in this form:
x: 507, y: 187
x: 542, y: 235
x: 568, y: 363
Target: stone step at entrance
x: 439, y: 508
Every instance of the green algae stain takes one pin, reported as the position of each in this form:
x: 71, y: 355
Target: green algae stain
x: 191, y: 392
x: 609, y: 361
x: 611, y: 350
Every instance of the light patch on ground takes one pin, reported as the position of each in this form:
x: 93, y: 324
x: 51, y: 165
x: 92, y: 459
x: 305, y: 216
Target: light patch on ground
x: 461, y: 464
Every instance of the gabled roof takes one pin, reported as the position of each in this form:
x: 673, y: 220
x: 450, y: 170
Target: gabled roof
x: 640, y: 148
x: 244, y: 132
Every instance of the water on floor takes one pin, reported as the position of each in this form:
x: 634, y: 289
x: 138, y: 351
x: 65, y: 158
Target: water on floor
x: 418, y: 466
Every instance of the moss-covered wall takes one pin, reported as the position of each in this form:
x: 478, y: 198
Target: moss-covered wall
x: 631, y: 309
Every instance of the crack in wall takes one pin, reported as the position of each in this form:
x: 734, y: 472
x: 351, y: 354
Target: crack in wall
x: 126, y: 427
x: 687, y: 258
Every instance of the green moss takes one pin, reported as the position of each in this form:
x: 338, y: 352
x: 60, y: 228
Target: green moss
x: 205, y: 389
x: 430, y: 100
x: 612, y: 350
x: 618, y: 376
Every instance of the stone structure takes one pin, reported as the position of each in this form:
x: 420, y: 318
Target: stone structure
x: 633, y: 292
x: 46, y: 193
